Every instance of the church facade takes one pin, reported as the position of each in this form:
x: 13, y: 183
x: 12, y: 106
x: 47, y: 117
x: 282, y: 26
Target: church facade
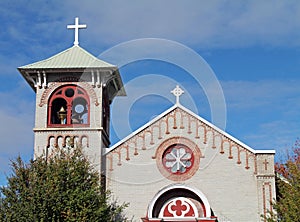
x: 180, y: 167
x: 177, y: 167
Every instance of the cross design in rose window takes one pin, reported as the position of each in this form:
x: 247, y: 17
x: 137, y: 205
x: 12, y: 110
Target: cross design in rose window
x: 178, y: 160
x: 177, y: 92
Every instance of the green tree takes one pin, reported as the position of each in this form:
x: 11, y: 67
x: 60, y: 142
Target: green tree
x: 63, y: 188
x: 287, y: 204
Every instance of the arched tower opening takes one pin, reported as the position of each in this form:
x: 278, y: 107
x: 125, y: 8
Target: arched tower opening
x: 68, y: 105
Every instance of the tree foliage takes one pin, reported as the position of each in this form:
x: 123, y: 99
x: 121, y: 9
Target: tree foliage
x: 62, y: 188
x: 287, y: 204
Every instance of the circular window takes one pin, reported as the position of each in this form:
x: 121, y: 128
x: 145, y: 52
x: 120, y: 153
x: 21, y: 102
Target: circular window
x: 69, y: 92
x: 178, y: 158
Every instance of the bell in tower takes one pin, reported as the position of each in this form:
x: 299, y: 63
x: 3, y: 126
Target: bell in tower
x: 74, y: 90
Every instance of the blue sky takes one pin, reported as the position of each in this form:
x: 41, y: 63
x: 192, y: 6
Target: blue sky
x: 252, y: 47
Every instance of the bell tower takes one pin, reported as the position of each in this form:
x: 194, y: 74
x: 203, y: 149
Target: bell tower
x: 74, y: 90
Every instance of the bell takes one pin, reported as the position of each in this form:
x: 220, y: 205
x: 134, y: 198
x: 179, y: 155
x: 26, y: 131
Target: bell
x: 62, y: 114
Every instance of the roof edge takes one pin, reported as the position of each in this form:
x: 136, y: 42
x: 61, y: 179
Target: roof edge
x: 225, y: 133
x: 31, y: 65
x: 108, y: 150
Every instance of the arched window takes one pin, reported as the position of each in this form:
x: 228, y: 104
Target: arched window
x: 179, y: 202
x: 69, y: 105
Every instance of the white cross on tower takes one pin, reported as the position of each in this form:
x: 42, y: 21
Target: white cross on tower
x: 76, y: 27
x: 177, y: 92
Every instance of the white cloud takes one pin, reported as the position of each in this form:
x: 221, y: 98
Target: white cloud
x: 264, y: 114
x: 16, y: 118
x: 279, y: 135
x: 16, y: 135
x: 200, y: 23
x: 267, y: 94
x: 16, y: 138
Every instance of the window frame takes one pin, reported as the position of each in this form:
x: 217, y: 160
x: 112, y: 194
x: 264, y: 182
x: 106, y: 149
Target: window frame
x: 60, y: 93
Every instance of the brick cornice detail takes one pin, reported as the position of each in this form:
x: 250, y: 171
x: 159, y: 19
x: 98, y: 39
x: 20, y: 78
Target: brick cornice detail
x: 265, y: 176
x: 182, y: 122
x: 65, y: 137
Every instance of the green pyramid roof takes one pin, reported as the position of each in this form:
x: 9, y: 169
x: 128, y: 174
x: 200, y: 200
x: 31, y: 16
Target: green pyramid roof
x: 74, y: 57
x: 68, y: 61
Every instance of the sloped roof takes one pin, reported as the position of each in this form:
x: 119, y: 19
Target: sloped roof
x: 178, y: 105
x: 73, y: 57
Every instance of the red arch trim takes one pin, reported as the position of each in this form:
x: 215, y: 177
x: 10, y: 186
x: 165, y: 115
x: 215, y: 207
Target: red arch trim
x: 60, y: 93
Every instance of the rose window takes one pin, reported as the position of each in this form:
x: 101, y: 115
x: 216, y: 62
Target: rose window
x: 178, y: 159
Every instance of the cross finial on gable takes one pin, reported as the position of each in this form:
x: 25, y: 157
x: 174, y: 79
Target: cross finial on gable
x: 76, y: 26
x: 177, y: 92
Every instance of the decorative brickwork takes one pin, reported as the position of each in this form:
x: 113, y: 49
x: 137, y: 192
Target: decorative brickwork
x: 267, y: 198
x: 179, y: 122
x: 67, y: 139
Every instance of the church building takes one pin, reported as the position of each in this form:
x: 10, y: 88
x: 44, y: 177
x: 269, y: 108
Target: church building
x: 177, y: 167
